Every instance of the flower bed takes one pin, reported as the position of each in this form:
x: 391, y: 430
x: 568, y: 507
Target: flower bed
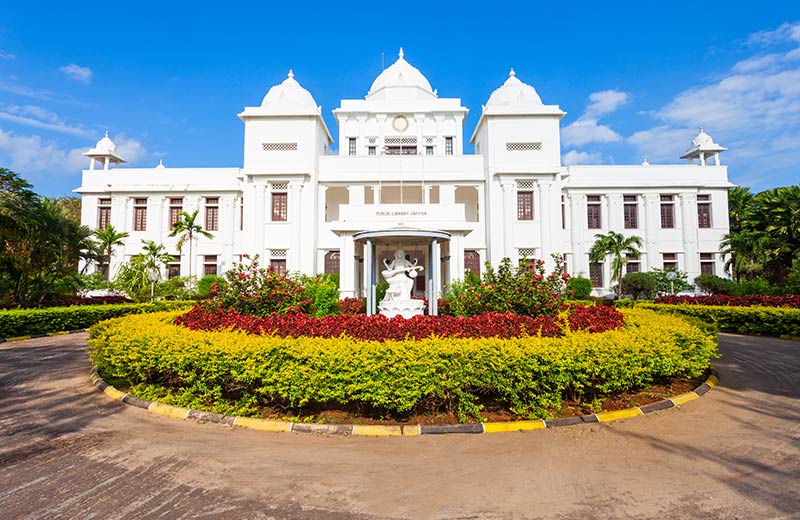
x: 735, y: 301
x: 234, y: 372
x: 380, y: 328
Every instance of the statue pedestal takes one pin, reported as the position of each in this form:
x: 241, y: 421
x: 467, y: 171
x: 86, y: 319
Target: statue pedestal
x: 405, y: 308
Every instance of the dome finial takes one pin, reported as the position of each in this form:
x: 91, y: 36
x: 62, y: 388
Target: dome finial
x: 291, y: 73
x: 511, y: 72
x: 644, y: 161
x: 106, y: 133
x: 701, y: 129
x: 401, y: 53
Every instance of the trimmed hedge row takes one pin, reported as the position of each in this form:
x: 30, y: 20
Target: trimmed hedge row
x: 25, y: 322
x: 234, y: 372
x: 771, y: 321
x: 735, y: 301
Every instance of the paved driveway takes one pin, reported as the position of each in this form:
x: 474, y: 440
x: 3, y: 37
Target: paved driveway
x: 67, y: 451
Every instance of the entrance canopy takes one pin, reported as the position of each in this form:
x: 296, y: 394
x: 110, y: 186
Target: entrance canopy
x: 401, y: 237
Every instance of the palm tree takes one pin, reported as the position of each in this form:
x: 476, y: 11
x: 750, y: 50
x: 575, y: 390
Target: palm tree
x: 616, y: 245
x: 107, y: 239
x: 155, y: 255
x: 186, y: 227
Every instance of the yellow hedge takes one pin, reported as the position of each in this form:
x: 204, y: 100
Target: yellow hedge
x: 232, y: 372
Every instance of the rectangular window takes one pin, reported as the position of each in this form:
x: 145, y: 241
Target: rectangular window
x: 351, y: 147
x: 279, y: 206
x: 401, y: 150
x: 332, y: 262
x: 563, y: 212
x: 448, y: 146
x: 596, y: 274
x: 707, y: 263
x: 670, y: 260
x: 175, y: 208
x: 704, y: 211
x: 472, y: 262
x: 524, y: 205
x: 429, y: 150
x: 632, y: 266
x: 370, y: 150
x: 593, y: 218
x: 278, y: 265
x: 241, y: 214
x: 631, y: 212
x: 103, y: 213
x: 140, y: 214
x: 212, y: 213
x: 209, y: 264
x: 174, y: 267
x: 667, y: 212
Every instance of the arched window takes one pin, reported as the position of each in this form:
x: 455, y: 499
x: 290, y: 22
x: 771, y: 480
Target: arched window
x: 332, y: 262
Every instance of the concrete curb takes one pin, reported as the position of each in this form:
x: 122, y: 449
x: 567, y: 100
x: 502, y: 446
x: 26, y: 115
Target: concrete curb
x: 370, y: 430
x: 37, y: 336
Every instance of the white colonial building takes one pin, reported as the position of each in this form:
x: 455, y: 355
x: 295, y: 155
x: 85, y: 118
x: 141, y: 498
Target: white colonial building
x: 400, y: 179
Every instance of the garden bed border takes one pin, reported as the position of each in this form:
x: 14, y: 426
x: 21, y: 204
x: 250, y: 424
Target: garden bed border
x: 371, y: 430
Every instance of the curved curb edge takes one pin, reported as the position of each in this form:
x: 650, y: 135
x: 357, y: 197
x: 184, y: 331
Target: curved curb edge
x: 374, y: 430
x: 37, y: 336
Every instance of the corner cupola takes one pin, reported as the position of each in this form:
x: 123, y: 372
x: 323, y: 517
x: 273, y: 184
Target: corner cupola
x: 703, y: 147
x: 285, y: 98
x: 401, y: 80
x: 104, y: 152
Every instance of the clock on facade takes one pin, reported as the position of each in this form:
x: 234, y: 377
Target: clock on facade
x: 400, y: 123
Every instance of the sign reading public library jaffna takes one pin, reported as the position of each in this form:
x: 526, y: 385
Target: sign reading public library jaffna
x: 402, y: 212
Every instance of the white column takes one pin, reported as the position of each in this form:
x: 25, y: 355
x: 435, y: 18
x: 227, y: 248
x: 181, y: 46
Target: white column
x: 691, y: 262
x: 578, y: 231
x: 456, y: 271
x: 294, y: 262
x: 346, y: 268
x: 616, y: 218
x: 547, y: 219
x: 105, y: 163
x: 508, y: 217
x: 369, y: 266
x: 436, y: 276
x: 652, y: 228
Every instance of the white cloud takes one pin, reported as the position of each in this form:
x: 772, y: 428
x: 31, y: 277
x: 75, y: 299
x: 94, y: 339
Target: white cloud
x: 7, y: 56
x: 586, y: 128
x: 39, y: 117
x: 77, y: 73
x: 37, y: 158
x: 576, y: 157
x: 753, y: 109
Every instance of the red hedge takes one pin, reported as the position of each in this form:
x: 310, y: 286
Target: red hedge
x: 379, y: 328
x: 737, y: 301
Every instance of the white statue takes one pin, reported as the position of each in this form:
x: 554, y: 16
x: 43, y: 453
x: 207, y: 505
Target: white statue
x: 400, y: 274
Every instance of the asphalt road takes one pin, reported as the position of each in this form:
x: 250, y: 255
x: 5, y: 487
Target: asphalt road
x: 67, y: 451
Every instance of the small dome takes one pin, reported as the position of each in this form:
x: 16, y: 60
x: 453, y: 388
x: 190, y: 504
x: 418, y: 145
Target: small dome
x: 105, y: 144
x: 514, y: 91
x: 400, y: 74
x: 702, y: 140
x: 289, y: 94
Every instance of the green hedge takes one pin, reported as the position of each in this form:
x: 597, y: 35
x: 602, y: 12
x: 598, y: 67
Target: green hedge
x: 528, y: 375
x: 26, y: 322
x: 772, y: 321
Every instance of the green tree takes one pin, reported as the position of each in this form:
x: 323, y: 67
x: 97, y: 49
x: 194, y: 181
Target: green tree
x: 187, y: 228
x: 107, y: 239
x: 619, y: 247
x: 133, y: 277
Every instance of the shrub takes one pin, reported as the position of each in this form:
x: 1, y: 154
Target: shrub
x: 256, y: 291
x: 772, y: 321
x: 322, y: 291
x: 210, y: 285
x: 756, y: 286
x: 68, y: 301
x: 639, y: 285
x: 525, y: 290
x: 663, y: 284
x: 23, y: 322
x: 736, y: 301
x: 579, y: 288
x: 177, y: 288
x: 528, y: 375
x: 350, y: 306
x: 379, y: 328
x: 712, y: 284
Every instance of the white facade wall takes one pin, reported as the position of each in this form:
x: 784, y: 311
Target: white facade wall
x: 331, y: 198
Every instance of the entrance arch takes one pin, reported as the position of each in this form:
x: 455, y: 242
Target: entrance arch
x: 407, y: 238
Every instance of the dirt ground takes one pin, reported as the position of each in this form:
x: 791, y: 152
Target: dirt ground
x: 67, y: 451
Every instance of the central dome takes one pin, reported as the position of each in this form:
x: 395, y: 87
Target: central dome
x: 401, y: 74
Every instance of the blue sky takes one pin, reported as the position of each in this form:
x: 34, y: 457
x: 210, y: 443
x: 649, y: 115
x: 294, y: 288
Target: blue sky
x: 167, y: 80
